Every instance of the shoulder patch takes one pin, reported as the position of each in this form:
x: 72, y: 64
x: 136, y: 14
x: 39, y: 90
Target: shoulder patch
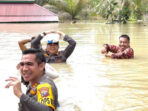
x: 44, y: 91
x: 45, y: 95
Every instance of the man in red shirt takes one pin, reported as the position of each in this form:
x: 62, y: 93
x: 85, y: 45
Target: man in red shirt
x: 123, y: 51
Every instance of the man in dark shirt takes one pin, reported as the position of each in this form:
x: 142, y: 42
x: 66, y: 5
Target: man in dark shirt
x: 41, y: 94
x: 52, y: 53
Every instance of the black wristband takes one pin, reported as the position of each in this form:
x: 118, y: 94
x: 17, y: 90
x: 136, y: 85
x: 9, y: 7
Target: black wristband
x: 44, y: 33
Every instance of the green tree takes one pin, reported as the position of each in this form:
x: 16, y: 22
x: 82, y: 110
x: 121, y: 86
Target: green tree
x: 41, y: 2
x: 73, y: 7
x: 108, y: 9
x: 121, y: 10
x: 136, y: 8
x: 111, y: 10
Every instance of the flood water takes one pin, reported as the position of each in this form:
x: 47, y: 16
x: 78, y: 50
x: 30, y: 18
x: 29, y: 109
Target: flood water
x: 88, y: 81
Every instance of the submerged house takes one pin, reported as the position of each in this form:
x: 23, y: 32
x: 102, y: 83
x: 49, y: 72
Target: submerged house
x: 24, y: 11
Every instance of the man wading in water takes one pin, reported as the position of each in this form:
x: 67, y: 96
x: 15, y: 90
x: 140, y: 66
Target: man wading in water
x: 52, y: 53
x: 123, y: 51
x: 41, y: 94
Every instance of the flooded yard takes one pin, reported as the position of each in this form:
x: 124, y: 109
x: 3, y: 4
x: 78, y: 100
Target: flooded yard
x: 88, y: 81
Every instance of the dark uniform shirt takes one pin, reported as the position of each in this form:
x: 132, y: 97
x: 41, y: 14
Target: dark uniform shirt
x: 42, y: 96
x: 61, y: 56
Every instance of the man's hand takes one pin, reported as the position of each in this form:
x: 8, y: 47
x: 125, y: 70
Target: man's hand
x: 104, y: 51
x: 108, y: 55
x: 61, y: 34
x: 13, y: 81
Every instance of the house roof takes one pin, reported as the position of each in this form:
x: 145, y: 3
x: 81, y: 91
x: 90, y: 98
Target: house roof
x: 17, y: 1
x: 25, y: 13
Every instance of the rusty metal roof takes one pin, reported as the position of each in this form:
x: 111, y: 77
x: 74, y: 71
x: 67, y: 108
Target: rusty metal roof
x: 25, y: 13
x: 17, y: 1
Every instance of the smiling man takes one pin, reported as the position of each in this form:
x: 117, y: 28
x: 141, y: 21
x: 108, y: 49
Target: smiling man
x: 41, y: 94
x: 52, y: 53
x: 123, y: 51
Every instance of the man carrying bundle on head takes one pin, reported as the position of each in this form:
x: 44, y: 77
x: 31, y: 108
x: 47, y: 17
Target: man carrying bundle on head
x: 52, y: 53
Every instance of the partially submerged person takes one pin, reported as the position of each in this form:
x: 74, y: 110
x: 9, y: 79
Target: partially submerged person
x: 41, y: 94
x: 49, y: 69
x: 52, y: 53
x: 123, y: 51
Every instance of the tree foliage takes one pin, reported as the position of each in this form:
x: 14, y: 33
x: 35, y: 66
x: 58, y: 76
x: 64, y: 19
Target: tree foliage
x: 73, y: 7
x: 112, y: 10
x: 41, y: 2
x: 121, y: 10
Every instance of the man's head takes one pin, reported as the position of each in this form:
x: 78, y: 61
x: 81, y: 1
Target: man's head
x: 124, y: 41
x: 52, y: 47
x: 32, y: 65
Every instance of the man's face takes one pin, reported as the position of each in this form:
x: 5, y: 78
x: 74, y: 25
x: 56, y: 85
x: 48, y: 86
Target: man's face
x: 29, y: 68
x: 124, y: 43
x: 52, y: 48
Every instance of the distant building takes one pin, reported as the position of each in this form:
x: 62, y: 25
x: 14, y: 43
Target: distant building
x: 24, y: 11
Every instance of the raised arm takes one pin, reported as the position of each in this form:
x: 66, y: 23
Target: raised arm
x: 70, y: 48
x: 36, y: 43
x: 22, y: 44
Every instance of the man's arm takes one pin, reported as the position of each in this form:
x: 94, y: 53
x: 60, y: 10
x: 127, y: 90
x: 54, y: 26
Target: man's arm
x: 36, y: 43
x: 109, y: 48
x: 70, y: 48
x: 126, y: 54
x: 45, y: 99
x: 22, y: 44
x: 34, y: 105
x: 105, y: 49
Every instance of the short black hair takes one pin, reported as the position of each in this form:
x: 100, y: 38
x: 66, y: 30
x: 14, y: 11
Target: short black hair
x: 125, y: 36
x: 39, y: 55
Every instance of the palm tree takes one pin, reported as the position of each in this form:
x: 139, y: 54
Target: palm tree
x: 73, y: 7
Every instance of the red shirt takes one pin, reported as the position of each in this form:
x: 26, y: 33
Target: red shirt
x: 120, y: 54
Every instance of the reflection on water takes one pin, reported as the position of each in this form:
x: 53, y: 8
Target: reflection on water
x: 88, y: 81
